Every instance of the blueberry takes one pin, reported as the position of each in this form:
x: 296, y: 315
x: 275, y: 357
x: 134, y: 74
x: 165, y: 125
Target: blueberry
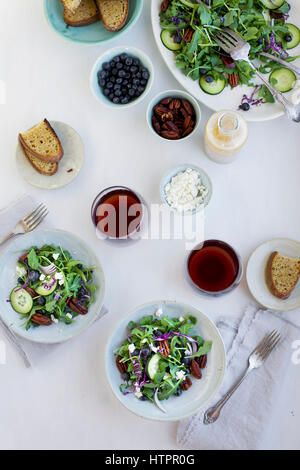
x: 146, y: 350
x: 178, y: 392
x: 41, y: 301
x: 127, y: 75
x: 145, y: 75
x: 115, y: 71
x: 119, y: 80
x: 203, y: 71
x: 102, y: 74
x: 260, y: 41
x: 81, y: 292
x: 209, y: 78
x: 121, y: 73
x: 288, y: 38
x: 136, y: 62
x: 20, y: 281
x: 117, y: 86
x: 111, y: 96
x: 118, y: 93
x: 113, y: 79
x: 119, y: 66
x: 129, y: 61
x: 34, y: 276
x: 186, y: 361
x: 157, y: 333
x: 143, y: 398
x: 136, y: 81
x: 109, y: 85
x: 134, y: 69
x: 143, y: 82
x: 102, y: 82
x: 177, y: 39
x: 123, y: 56
x: 187, y: 370
x: 221, y: 18
x: 125, y: 100
x: 135, y: 352
x: 245, y: 106
x: 116, y: 100
x: 106, y: 66
x: 126, y: 376
x: 117, y: 59
x: 140, y: 90
x: 80, y: 266
x: 138, y: 75
x: 106, y: 91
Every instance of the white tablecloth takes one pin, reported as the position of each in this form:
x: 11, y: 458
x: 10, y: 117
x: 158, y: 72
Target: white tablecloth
x: 255, y: 199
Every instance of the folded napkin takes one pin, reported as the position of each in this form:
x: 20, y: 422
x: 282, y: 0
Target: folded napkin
x: 9, y: 216
x: 247, y: 415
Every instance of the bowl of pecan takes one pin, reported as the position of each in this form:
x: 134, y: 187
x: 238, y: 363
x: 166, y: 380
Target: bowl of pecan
x: 173, y: 115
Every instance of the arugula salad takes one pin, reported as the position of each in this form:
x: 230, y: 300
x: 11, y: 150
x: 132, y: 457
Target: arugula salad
x: 159, y: 357
x: 51, y: 287
x: 188, y: 29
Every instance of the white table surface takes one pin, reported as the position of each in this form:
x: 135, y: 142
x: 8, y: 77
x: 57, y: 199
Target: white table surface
x: 65, y: 402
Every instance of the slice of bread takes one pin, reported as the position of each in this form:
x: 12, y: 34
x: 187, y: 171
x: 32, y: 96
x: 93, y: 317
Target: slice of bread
x: 42, y: 142
x: 45, y: 168
x: 113, y: 13
x: 87, y: 13
x: 282, y: 274
x: 71, y: 5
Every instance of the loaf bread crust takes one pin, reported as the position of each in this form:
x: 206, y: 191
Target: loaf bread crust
x: 72, y: 19
x: 71, y: 5
x: 47, y: 158
x: 271, y: 281
x: 103, y: 6
x: 44, y: 168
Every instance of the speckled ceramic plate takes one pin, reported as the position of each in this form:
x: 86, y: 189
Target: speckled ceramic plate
x: 55, y: 333
x: 69, y: 166
x: 256, y: 274
x: 92, y: 34
x: 200, y: 394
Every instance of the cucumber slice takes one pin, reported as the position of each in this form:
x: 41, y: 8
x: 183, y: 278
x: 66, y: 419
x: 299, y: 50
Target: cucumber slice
x: 294, y: 33
x: 21, y: 270
x: 272, y: 4
x: 153, y: 366
x: 45, y: 289
x: 168, y: 40
x: 21, y: 301
x: 214, y: 87
x: 285, y: 79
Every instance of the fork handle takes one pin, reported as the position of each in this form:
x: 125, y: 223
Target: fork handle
x: 292, y: 110
x: 282, y: 62
x: 8, y: 237
x: 213, y: 413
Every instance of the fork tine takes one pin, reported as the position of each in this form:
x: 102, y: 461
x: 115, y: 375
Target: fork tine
x: 39, y: 221
x: 268, y: 343
x: 33, y: 212
x: 263, y: 342
x: 222, y: 45
x: 37, y: 217
x: 271, y: 347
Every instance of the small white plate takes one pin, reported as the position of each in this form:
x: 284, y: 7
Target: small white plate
x: 256, y: 274
x: 72, y: 160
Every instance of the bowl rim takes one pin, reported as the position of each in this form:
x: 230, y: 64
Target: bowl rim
x: 180, y: 93
x: 171, y: 173
x: 125, y: 319
x: 22, y: 334
x: 99, y: 96
x: 136, y: 15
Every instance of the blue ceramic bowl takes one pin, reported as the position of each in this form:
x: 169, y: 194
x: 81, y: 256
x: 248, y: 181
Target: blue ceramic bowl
x: 106, y: 57
x: 202, y: 391
x: 55, y: 333
x: 92, y: 34
x: 206, y: 181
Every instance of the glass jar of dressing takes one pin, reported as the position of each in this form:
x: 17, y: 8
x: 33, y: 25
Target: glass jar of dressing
x: 225, y: 134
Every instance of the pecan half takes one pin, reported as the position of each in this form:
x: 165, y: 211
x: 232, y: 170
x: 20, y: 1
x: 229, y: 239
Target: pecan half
x: 170, y: 126
x: 122, y: 366
x: 188, y: 35
x: 170, y: 135
x: 166, y: 101
x: 228, y: 61
x: 188, y: 131
x: 175, y: 104
x: 202, y: 361
x: 195, y: 369
x: 164, y: 5
x: 159, y: 109
x: 77, y: 307
x: 186, y: 384
x: 41, y: 319
x: 31, y: 291
x: 155, y: 124
x: 23, y: 257
x: 233, y: 79
x: 188, y: 107
x: 164, y: 349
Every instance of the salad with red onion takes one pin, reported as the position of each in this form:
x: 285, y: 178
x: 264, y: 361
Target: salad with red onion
x: 160, y: 357
x: 51, y: 287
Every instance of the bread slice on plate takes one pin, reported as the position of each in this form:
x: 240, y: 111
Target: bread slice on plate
x: 282, y: 274
x: 113, y: 13
x: 42, y: 142
x: 87, y: 13
x: 45, y: 168
x: 71, y: 5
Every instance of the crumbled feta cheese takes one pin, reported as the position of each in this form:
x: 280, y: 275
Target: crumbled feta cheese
x: 144, y: 340
x: 166, y: 376
x: 55, y: 256
x: 61, y: 282
x: 138, y: 394
x: 59, y: 275
x: 20, y: 270
x: 181, y: 319
x: 186, y: 192
x: 158, y: 312
x: 187, y: 352
x: 42, y: 277
x: 180, y: 374
x: 131, y: 348
x: 70, y: 316
x: 54, y: 320
x: 153, y: 348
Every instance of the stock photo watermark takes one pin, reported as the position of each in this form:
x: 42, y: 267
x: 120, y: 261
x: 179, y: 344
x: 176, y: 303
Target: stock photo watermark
x: 296, y: 353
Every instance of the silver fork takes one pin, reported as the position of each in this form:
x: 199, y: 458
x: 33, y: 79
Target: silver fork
x: 256, y: 359
x: 28, y: 223
x: 232, y: 43
x: 48, y: 270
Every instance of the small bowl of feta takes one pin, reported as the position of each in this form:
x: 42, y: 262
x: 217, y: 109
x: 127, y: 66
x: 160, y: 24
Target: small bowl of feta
x: 186, y: 189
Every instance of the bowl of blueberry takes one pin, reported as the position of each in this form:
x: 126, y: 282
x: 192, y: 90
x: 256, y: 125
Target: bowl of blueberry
x: 122, y: 77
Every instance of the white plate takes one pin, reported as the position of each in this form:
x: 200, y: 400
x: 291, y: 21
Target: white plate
x: 202, y: 391
x: 228, y: 99
x: 55, y: 333
x: 72, y: 160
x: 256, y: 274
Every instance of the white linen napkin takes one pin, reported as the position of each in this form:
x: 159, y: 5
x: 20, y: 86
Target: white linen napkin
x: 9, y: 216
x: 247, y: 415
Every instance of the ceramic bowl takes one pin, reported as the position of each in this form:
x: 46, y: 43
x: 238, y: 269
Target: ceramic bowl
x: 200, y: 394
x: 94, y: 34
x: 106, y: 57
x: 173, y: 94
x: 206, y: 181
x: 55, y: 333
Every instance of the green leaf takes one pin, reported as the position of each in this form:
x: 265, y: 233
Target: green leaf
x: 203, y: 349
x: 33, y: 260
